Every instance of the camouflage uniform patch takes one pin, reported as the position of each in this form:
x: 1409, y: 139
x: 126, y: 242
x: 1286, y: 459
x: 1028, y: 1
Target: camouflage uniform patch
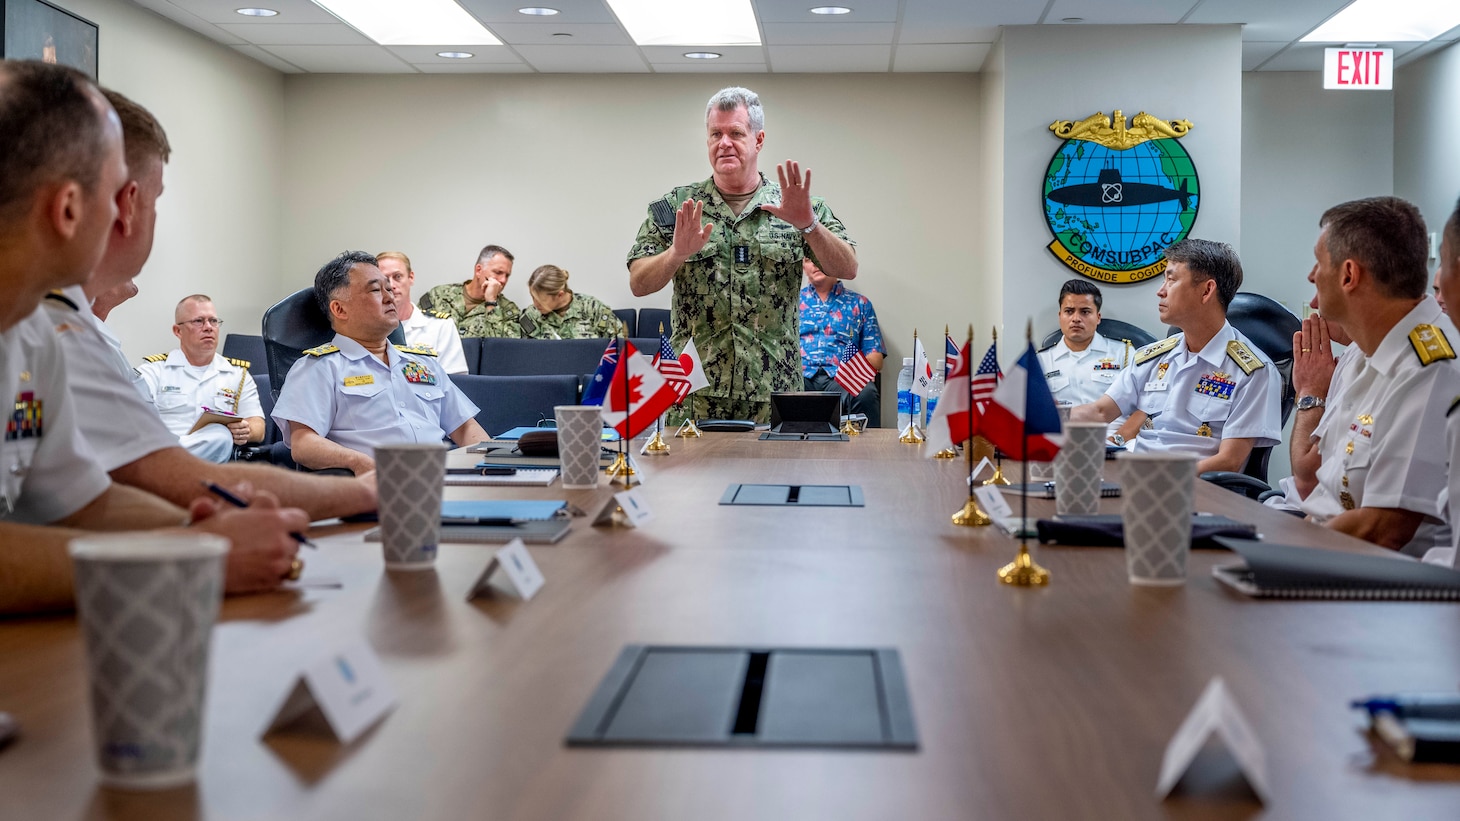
x: 585, y: 318
x: 738, y: 297
x: 450, y: 300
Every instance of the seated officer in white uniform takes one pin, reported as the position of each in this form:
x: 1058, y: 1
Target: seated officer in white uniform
x: 1082, y: 364
x: 194, y: 377
x: 1382, y: 460
x: 432, y: 329
x: 1208, y: 390
x: 342, y: 399
x: 1448, y: 281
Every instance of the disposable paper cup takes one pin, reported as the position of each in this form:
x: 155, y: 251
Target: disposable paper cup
x: 408, y: 478
x: 146, y: 604
x: 1077, y: 469
x: 1155, y: 514
x: 580, y: 434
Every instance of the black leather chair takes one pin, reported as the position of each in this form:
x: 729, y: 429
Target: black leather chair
x: 649, y: 320
x: 250, y: 348
x: 630, y: 319
x: 471, y: 348
x: 292, y: 325
x: 507, y: 402
x: 1112, y: 328
x: 531, y: 357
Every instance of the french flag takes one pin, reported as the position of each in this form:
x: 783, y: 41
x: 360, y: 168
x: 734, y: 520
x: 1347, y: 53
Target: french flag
x: 1022, y: 408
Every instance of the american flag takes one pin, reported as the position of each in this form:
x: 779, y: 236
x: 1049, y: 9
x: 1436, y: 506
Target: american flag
x: 951, y: 356
x: 668, y: 365
x: 854, y: 371
x: 986, y: 379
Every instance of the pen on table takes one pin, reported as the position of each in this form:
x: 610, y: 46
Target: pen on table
x: 1441, y: 705
x: 222, y: 493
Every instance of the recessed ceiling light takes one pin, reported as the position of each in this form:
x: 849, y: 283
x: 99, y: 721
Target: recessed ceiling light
x: 418, y: 23
x: 702, y: 55
x: 257, y: 12
x: 455, y: 55
x: 831, y: 10
x: 678, y: 23
x: 538, y: 11
x: 1388, y: 21
x: 1072, y: 19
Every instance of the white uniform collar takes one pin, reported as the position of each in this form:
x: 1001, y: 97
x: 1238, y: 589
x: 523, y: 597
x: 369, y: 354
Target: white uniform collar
x: 1215, y: 352
x: 1395, y: 345
x: 354, y: 351
x: 1100, y: 344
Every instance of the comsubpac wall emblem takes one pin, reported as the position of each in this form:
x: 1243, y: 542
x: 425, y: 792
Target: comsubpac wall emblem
x: 1116, y: 196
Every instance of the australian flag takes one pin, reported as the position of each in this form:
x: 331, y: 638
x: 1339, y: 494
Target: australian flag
x: 593, y: 394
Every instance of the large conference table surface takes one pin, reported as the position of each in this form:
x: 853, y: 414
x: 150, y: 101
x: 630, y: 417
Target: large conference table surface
x: 1053, y: 702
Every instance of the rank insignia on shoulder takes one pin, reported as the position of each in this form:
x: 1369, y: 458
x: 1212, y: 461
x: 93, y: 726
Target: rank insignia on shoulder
x: 1155, y: 349
x: 662, y: 213
x: 419, y: 350
x: 322, y: 350
x: 440, y: 314
x: 157, y: 357
x: 239, y: 363
x: 1430, y: 344
x: 1243, y: 356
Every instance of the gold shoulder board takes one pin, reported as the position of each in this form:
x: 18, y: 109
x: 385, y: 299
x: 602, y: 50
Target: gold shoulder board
x: 420, y: 350
x: 1155, y: 349
x: 1243, y: 356
x: 440, y: 314
x: 322, y: 350
x: 240, y: 363
x: 1430, y: 344
x: 157, y: 357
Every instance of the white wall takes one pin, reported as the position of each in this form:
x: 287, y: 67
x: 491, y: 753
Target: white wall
x: 218, y: 228
x: 1426, y: 120
x: 560, y: 169
x: 1070, y: 72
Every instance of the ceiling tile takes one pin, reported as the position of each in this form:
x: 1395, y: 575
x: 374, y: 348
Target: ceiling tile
x: 1298, y: 57
x: 1254, y: 54
x: 342, y: 59
x: 799, y: 11
x: 573, y: 11
x: 578, y: 59
x: 305, y: 34
x: 592, y: 34
x: 225, y: 11
x: 427, y: 55
x: 730, y: 55
x: 192, y: 22
x: 268, y: 59
x: 1125, y: 12
x: 1266, y: 20
x: 783, y: 34
x: 708, y: 67
x: 941, y: 57
x: 820, y: 59
x: 468, y: 67
x: 959, y: 21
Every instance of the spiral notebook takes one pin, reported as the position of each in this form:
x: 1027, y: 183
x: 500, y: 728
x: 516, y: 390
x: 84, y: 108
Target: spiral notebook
x: 1275, y: 571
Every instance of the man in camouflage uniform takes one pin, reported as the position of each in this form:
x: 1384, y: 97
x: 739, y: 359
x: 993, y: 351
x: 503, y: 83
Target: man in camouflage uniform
x: 477, y: 305
x: 737, y: 277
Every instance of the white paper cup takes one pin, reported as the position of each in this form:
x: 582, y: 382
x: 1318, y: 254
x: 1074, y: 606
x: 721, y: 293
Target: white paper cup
x: 1077, y: 469
x: 147, y: 603
x: 1155, y: 514
x: 580, y: 439
x: 408, y: 478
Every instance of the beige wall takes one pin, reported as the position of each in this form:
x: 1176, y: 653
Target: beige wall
x: 561, y: 170
x: 218, y: 228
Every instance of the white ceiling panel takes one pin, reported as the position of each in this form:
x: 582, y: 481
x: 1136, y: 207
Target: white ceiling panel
x: 418, y: 55
x: 820, y: 59
x: 953, y: 14
x: 584, y: 59
x: 1125, y: 12
x: 342, y: 59
x: 462, y: 67
x: 591, y: 34
x: 841, y: 34
x: 1268, y: 20
x: 305, y: 34
x: 268, y: 59
x: 1298, y: 57
x: 799, y: 11
x: 1255, y: 54
x: 936, y: 58
x: 190, y: 21
x: 572, y: 11
x: 708, y: 67
x: 225, y: 11
x: 728, y: 54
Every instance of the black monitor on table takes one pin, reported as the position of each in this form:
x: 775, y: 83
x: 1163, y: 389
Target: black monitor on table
x: 806, y: 412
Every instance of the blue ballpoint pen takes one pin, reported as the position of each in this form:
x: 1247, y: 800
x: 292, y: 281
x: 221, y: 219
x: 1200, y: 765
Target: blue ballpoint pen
x: 1417, y: 705
x: 222, y: 493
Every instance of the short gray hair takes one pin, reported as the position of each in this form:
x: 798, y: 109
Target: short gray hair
x: 335, y: 274
x: 729, y: 99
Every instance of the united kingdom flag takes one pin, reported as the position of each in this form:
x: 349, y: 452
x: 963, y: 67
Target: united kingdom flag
x: 952, y: 357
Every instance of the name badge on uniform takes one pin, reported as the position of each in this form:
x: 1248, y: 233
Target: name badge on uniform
x: 171, y: 389
x: 418, y: 374
x: 356, y: 381
x: 1156, y: 386
x: 1216, y: 384
x: 1051, y: 374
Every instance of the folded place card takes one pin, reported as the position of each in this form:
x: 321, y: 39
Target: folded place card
x: 1215, y: 713
x: 993, y: 501
x: 347, y: 687
x: 521, y: 572
x: 627, y: 508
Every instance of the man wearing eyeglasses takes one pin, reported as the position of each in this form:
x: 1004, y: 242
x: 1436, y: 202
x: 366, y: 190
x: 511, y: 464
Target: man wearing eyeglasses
x: 194, y: 379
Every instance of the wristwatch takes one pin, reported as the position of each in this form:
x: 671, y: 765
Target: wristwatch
x: 1308, y: 403
x: 491, y: 303
x: 1117, y: 440
x: 808, y: 229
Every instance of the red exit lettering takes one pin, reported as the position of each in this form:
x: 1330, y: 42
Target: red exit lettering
x: 1359, y: 68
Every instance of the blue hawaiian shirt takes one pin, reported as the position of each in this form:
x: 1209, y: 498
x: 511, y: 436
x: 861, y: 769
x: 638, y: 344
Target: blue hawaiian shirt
x: 827, y: 327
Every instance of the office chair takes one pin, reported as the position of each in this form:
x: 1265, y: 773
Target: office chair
x: 471, y: 348
x: 1113, y: 329
x: 248, y: 347
x: 507, y: 402
x: 536, y: 357
x: 630, y: 318
x: 649, y: 319
x: 294, y: 324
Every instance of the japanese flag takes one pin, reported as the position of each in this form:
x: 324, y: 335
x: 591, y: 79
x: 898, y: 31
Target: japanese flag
x: 694, y: 371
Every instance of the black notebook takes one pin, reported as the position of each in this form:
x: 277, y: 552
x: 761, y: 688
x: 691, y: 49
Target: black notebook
x: 1275, y: 571
x: 1107, y: 530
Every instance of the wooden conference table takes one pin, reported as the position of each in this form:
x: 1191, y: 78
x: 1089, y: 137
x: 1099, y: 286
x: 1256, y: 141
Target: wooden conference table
x: 1029, y: 703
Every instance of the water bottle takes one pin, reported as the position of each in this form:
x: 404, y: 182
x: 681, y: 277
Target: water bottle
x: 935, y: 392
x: 905, y: 397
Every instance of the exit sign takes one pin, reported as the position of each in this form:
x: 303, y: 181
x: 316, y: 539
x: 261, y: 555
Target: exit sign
x: 1369, y: 68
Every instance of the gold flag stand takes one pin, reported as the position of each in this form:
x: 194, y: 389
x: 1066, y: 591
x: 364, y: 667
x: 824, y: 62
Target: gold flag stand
x: 656, y: 446
x: 970, y: 515
x: 849, y: 429
x: 689, y: 430
x: 1023, y: 572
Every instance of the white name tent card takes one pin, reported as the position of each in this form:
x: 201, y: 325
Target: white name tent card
x: 346, y: 686
x: 627, y: 508
x: 1215, y: 713
x: 521, y: 572
x: 993, y: 501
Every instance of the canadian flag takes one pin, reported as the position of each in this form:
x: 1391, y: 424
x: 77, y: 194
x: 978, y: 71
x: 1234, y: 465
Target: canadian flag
x: 636, y: 398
